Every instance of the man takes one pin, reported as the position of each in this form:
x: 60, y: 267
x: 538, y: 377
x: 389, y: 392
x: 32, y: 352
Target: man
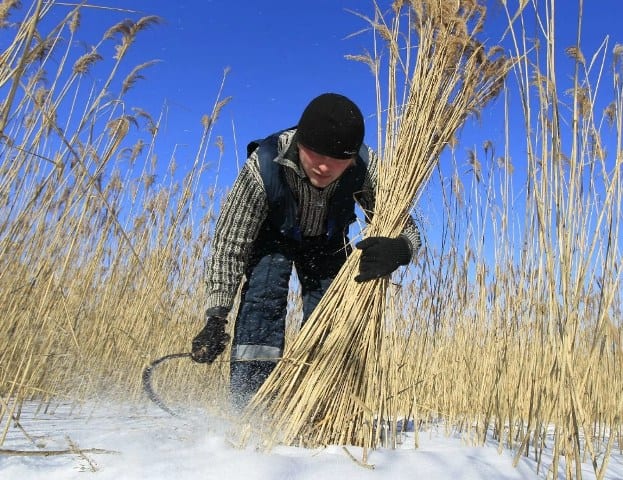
x: 291, y: 204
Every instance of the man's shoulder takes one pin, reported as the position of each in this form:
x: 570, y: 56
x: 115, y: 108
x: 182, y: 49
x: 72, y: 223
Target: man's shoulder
x: 271, y: 146
x: 364, y: 153
x: 368, y: 155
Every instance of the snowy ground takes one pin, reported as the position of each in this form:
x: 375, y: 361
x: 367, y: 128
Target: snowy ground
x: 146, y: 443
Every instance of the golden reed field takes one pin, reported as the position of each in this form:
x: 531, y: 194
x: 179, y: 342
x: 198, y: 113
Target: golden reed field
x: 517, y: 337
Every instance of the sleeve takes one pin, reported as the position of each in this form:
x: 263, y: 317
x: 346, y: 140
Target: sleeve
x: 237, y: 227
x: 367, y: 199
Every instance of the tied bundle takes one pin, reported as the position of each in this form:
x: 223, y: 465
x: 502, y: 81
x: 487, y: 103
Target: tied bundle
x: 332, y: 386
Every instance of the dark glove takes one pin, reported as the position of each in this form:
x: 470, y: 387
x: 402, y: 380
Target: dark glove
x: 380, y: 256
x: 211, y: 341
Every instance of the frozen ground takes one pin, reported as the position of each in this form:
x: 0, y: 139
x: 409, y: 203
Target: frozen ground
x: 146, y: 443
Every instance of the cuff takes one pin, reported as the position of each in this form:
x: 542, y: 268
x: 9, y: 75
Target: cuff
x: 220, y: 312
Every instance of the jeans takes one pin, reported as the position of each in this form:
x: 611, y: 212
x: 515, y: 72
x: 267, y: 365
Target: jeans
x: 259, y: 332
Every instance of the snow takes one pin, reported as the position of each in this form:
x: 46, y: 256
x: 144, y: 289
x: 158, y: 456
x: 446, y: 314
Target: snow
x: 145, y: 442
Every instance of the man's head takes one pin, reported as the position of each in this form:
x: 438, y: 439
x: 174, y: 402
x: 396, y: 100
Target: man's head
x: 329, y: 133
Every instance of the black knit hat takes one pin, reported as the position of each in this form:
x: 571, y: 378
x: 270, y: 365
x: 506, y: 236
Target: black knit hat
x: 331, y: 125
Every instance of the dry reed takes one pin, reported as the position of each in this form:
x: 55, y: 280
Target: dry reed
x: 99, y: 263
x: 514, y: 336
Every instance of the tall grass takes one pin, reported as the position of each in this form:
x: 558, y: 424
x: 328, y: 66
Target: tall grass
x: 101, y: 252
x: 507, y: 327
x: 513, y: 323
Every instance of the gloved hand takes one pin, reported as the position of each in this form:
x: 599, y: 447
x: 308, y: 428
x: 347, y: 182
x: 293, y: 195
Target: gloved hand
x: 211, y: 341
x: 380, y: 256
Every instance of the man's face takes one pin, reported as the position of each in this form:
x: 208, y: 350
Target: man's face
x: 320, y: 169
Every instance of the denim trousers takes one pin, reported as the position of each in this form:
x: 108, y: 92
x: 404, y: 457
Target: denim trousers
x: 259, y: 332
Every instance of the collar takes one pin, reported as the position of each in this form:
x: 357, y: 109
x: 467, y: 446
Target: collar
x: 288, y: 155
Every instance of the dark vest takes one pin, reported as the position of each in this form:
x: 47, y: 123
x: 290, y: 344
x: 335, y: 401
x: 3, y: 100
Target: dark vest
x: 283, y: 208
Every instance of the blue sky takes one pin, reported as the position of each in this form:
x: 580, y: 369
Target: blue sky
x: 283, y: 53
x: 280, y: 55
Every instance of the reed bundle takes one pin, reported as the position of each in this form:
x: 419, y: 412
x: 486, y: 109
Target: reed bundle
x: 332, y: 386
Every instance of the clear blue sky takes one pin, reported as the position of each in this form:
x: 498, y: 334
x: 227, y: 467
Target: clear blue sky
x: 281, y: 54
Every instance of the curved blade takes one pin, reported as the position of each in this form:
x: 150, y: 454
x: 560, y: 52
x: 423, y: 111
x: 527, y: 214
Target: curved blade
x: 147, y: 387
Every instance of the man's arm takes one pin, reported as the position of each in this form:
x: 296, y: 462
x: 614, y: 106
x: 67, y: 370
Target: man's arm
x: 237, y: 227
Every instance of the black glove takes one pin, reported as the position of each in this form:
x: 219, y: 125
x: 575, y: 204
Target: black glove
x: 380, y: 256
x: 211, y: 341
